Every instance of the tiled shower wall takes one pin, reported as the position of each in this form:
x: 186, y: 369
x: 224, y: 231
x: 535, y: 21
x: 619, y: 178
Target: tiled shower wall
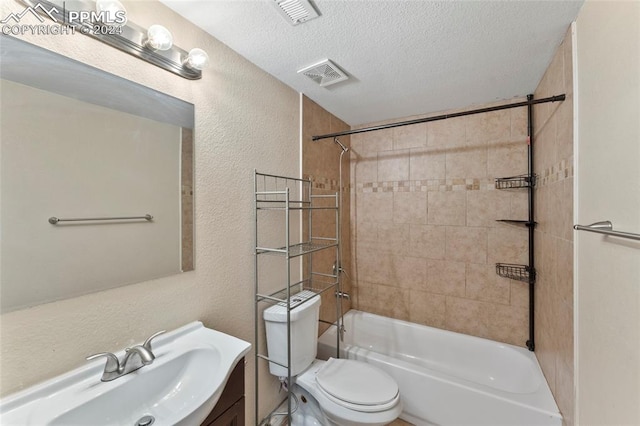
x: 425, y: 235
x: 320, y: 164
x: 553, y: 131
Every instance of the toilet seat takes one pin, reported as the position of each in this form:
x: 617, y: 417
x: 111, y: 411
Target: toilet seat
x: 357, y: 386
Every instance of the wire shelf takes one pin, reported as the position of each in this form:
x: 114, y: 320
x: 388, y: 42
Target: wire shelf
x: 299, y: 249
x: 515, y: 182
x: 518, y: 222
x: 516, y: 272
x: 309, y: 286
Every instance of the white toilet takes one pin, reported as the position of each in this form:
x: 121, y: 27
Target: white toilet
x: 348, y: 392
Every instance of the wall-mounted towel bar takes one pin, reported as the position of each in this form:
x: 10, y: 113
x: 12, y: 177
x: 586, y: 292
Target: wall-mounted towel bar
x: 606, y: 227
x: 55, y: 220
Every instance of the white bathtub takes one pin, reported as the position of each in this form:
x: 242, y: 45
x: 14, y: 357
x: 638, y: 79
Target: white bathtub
x: 447, y: 378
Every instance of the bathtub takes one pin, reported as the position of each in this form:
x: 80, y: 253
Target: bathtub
x: 447, y: 378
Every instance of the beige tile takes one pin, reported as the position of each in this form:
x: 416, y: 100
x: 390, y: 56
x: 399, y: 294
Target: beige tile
x: 568, y: 63
x: 364, y: 168
x: 426, y: 164
x: 413, y: 136
x: 446, y: 208
x: 482, y: 283
x: 445, y: 277
x: 393, y: 302
x: 374, y: 266
x: 509, y: 244
x: 564, y: 129
x: 408, y: 272
x: 519, y: 122
x: 485, y: 207
x: 506, y: 159
x: 509, y: 324
x: 393, y: 237
x: 363, y: 232
x: 427, y: 241
x: 372, y: 142
x: 410, y: 207
x: 466, y: 244
x: 491, y: 126
x: 427, y: 308
x: 566, y: 210
x: 564, y: 332
x: 367, y: 296
x: 446, y: 133
x: 393, y: 165
x: 466, y: 163
x: 546, y: 146
x: 546, y: 355
x: 467, y: 316
x: 374, y: 207
x: 564, y: 271
x: 519, y: 205
x: 519, y: 293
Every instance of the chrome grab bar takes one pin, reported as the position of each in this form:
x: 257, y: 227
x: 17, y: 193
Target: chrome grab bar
x: 606, y: 227
x: 54, y: 220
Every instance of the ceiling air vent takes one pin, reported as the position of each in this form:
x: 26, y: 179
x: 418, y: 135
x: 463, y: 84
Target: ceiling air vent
x: 296, y: 11
x: 324, y: 73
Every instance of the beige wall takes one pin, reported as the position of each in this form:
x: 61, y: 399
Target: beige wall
x: 553, y: 164
x: 608, y: 177
x: 245, y: 119
x: 424, y: 232
x: 320, y: 164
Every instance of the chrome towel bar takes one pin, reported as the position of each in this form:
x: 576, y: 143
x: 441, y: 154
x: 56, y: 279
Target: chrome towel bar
x: 55, y: 220
x: 606, y: 227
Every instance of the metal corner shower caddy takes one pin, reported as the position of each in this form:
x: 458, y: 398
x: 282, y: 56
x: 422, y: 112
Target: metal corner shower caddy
x: 283, y: 196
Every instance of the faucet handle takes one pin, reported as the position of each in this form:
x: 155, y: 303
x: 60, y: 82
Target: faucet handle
x: 147, y: 343
x: 112, y: 364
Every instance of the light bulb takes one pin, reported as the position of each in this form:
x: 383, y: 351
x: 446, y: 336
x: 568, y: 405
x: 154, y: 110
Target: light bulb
x: 111, y: 12
x: 159, y: 38
x: 197, y: 59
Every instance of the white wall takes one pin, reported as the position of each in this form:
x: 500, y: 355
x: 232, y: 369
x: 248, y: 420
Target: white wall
x: 608, y: 179
x: 66, y: 158
x: 244, y: 119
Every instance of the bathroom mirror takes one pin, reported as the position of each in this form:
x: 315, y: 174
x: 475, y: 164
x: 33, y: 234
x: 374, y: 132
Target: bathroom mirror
x: 80, y: 143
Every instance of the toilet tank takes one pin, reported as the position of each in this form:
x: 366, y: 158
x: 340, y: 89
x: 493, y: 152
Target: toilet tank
x: 304, y: 333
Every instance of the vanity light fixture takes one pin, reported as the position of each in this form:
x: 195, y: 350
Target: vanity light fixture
x: 106, y: 20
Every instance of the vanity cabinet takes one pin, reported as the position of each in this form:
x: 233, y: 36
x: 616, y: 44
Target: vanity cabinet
x: 229, y: 411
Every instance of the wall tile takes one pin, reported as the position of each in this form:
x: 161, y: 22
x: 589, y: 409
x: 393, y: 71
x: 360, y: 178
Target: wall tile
x: 445, y: 277
x: 508, y: 244
x: 482, y: 283
x: 446, y: 133
x: 410, y: 207
x: 427, y: 241
x: 509, y: 324
x: 506, y: 159
x: 426, y: 164
x: 467, y: 316
x: 364, y: 168
x: 373, y: 266
x: 408, y: 272
x: 427, y: 308
x: 491, y: 126
x: 374, y: 207
x: 485, y: 207
x: 466, y: 244
x: 466, y: 163
x: 393, y: 165
x: 446, y: 208
x: 414, y: 136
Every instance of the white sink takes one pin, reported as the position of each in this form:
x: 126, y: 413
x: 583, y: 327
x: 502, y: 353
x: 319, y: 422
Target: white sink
x: 181, y: 387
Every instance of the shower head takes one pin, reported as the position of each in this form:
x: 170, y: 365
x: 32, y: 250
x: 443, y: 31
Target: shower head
x: 344, y: 148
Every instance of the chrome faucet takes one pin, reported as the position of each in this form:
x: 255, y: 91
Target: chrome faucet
x: 135, y: 358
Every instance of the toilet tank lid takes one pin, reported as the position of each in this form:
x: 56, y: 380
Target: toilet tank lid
x: 302, y: 304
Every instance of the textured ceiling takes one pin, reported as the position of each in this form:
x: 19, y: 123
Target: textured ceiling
x: 403, y: 57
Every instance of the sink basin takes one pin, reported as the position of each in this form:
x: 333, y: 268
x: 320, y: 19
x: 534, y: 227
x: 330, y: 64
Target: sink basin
x: 181, y: 387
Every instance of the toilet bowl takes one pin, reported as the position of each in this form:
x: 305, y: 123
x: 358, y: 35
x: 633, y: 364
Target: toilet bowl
x: 348, y: 392
x: 352, y: 393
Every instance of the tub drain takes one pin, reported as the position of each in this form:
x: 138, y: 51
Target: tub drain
x: 145, y: 421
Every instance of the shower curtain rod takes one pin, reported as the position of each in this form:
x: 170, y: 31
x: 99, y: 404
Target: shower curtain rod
x: 442, y: 117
